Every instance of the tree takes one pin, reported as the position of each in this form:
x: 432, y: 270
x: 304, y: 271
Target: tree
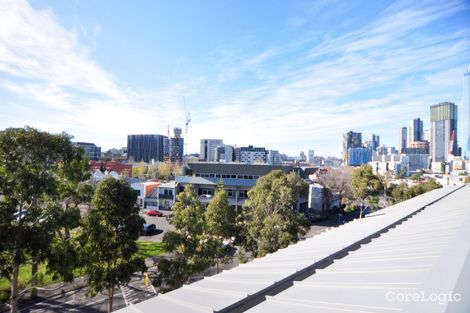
x: 365, y: 184
x: 220, y: 220
x: 269, y: 219
x: 164, y: 170
x: 73, y: 191
x: 30, y: 178
x: 220, y: 216
x: 401, y: 193
x: 337, y: 183
x: 108, y: 238
x: 152, y: 172
x: 192, y: 251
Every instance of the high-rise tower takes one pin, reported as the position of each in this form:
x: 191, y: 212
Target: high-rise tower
x: 465, y: 126
x: 443, y: 123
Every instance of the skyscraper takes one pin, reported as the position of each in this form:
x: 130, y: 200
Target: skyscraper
x: 443, y: 123
x: 375, y: 142
x: 403, y: 139
x: 465, y: 126
x: 145, y: 147
x: 350, y: 140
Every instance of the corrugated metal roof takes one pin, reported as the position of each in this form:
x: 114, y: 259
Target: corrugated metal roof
x: 400, y: 271
x: 403, y: 256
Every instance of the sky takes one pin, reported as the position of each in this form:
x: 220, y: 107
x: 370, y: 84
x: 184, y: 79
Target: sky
x: 286, y: 75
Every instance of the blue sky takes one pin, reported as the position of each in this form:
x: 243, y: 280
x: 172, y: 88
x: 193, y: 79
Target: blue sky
x: 287, y: 75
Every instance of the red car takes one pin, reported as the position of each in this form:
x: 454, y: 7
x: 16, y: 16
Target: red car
x: 154, y: 213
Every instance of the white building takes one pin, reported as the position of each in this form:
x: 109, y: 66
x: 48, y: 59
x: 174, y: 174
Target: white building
x: 208, y: 149
x: 311, y: 156
x: 274, y: 158
x: 252, y: 155
x: 382, y: 164
x: 316, y: 197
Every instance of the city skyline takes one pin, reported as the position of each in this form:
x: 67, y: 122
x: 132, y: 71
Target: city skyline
x: 287, y: 78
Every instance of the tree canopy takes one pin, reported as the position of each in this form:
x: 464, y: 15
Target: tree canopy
x: 365, y: 183
x: 35, y: 168
x: 269, y: 219
x: 109, y: 234
x: 192, y: 250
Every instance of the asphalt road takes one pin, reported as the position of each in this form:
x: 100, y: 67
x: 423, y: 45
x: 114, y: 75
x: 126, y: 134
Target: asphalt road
x: 162, y: 226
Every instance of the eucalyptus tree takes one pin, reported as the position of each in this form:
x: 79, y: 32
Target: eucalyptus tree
x: 33, y: 166
x: 108, y: 238
x: 269, y: 219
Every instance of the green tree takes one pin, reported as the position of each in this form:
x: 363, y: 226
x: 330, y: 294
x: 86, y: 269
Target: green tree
x: 365, y: 184
x: 192, y: 251
x: 220, y: 216
x: 152, y: 172
x: 220, y: 220
x: 108, y: 238
x: 269, y: 219
x: 31, y: 173
x: 401, y: 193
x: 164, y: 170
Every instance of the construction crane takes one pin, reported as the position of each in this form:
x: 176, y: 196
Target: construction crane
x: 188, y: 119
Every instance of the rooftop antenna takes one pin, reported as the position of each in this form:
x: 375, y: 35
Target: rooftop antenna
x: 188, y: 119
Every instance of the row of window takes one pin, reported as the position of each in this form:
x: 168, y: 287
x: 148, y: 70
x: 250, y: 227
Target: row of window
x: 230, y: 192
x: 227, y: 176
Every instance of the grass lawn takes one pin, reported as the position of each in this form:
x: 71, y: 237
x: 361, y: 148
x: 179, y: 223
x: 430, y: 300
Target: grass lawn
x: 148, y: 249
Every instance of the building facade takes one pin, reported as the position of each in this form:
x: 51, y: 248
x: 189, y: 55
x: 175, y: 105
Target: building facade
x: 176, y: 146
x: 208, y: 149
x: 350, y: 140
x: 418, y: 131
x: 251, y: 155
x: 146, y: 148
x: 443, y: 123
x: 224, y: 153
x: 465, y: 126
x: 358, y: 156
x: 92, y: 151
x: 403, y: 139
x: 397, y: 164
x: 237, y: 179
x: 274, y: 158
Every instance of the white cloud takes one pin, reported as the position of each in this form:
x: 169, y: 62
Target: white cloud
x: 372, y: 79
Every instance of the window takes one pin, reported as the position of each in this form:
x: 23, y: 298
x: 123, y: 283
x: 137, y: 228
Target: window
x: 243, y: 193
x: 206, y: 191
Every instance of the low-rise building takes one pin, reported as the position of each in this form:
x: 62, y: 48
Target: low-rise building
x: 237, y: 179
x: 398, y: 164
x: 91, y: 150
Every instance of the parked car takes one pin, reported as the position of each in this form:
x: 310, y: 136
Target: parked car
x: 313, y: 217
x: 149, y: 229
x: 154, y: 213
